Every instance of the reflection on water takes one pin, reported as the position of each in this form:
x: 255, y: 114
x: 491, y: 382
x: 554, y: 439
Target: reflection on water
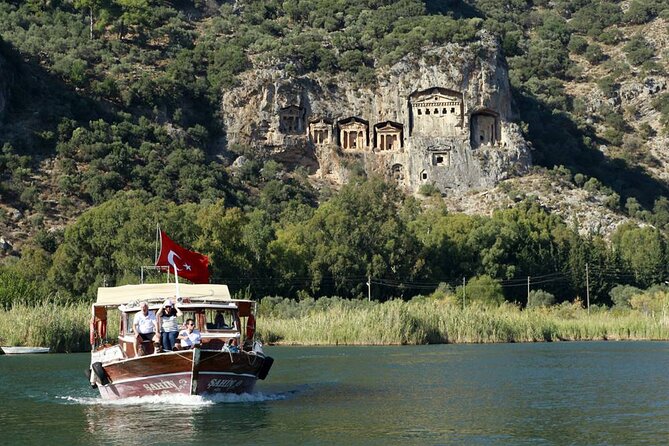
x: 564, y: 393
x: 172, y: 418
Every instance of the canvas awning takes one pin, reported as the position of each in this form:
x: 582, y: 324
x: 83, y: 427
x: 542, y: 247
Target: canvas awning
x: 159, y: 291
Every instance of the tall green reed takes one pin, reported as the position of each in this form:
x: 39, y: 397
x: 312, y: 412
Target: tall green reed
x: 62, y: 327
x: 436, y: 321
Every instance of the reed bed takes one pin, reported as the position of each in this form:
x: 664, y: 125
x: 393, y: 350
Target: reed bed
x: 432, y: 321
x: 64, y: 327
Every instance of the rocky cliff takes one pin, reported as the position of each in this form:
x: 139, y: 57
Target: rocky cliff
x: 444, y: 118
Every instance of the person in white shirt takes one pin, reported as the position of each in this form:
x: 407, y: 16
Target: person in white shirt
x: 145, y: 325
x: 190, y: 337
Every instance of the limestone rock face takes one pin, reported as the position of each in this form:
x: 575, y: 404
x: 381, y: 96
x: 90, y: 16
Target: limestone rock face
x: 444, y: 119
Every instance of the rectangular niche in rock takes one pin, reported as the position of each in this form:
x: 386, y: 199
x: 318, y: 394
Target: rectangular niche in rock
x: 388, y: 136
x: 291, y: 120
x: 320, y: 131
x: 353, y: 133
x: 441, y: 159
x: 484, y: 128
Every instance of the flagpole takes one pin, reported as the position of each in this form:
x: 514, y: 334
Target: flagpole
x: 176, y: 278
x: 155, y: 260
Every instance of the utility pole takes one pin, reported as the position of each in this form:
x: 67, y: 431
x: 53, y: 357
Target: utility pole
x: 369, y: 288
x: 528, y: 292
x: 587, y: 287
x: 464, y: 292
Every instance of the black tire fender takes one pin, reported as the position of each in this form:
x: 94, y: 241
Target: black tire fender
x: 264, y: 368
x: 100, y: 373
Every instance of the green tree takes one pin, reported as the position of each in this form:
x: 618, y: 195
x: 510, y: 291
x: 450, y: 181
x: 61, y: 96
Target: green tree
x: 638, y: 50
x: 110, y: 242
x: 94, y: 8
x: 483, y: 289
x: 355, y: 234
x: 540, y: 298
x: 643, y: 253
x: 221, y: 236
x: 134, y: 13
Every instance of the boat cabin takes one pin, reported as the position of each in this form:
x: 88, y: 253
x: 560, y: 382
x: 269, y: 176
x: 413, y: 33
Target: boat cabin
x: 218, y: 317
x: 217, y: 324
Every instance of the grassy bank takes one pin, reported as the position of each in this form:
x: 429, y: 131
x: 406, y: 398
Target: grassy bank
x: 64, y: 328
x: 433, y: 321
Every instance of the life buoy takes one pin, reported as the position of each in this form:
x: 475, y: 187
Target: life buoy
x: 92, y: 331
x: 250, y: 326
x: 102, y: 328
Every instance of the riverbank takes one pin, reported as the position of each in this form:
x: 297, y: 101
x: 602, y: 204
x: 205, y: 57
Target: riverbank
x: 61, y: 327
x: 64, y: 328
x: 432, y: 321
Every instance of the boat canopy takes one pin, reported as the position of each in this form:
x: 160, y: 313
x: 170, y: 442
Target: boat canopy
x: 110, y: 296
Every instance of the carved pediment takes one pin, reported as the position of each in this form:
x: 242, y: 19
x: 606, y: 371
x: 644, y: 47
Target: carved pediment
x: 353, y: 122
x: 291, y: 119
x: 388, y: 127
x: 291, y: 110
x: 435, y: 97
x: 353, y: 126
x: 320, y: 123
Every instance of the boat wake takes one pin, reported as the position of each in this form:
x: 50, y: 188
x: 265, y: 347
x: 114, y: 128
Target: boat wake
x: 179, y: 400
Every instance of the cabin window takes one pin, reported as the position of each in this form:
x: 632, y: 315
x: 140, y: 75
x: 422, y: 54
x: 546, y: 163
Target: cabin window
x: 181, y: 320
x: 219, y: 319
x: 130, y: 322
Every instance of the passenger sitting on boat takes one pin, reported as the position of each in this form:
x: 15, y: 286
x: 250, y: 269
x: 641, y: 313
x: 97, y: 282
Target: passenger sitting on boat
x: 190, y: 337
x: 169, y: 327
x: 233, y: 346
x: 219, y: 321
x: 145, y: 325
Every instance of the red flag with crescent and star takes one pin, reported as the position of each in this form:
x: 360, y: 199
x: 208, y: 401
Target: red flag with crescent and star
x: 190, y: 265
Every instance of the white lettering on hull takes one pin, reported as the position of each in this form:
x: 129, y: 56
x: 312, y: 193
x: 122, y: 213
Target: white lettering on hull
x: 165, y: 385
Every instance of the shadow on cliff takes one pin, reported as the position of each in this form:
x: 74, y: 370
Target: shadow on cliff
x: 559, y: 141
x: 455, y: 8
x: 38, y: 101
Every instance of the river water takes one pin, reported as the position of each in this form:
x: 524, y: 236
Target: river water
x: 594, y: 393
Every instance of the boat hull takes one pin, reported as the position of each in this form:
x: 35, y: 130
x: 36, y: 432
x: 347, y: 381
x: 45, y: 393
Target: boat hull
x: 191, y: 372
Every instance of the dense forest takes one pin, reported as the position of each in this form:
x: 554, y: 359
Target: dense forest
x: 111, y: 126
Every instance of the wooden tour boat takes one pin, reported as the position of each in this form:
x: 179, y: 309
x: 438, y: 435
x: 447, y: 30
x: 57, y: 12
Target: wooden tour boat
x: 216, y: 366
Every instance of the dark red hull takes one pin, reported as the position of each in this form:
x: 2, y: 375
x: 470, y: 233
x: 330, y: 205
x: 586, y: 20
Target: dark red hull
x: 191, y: 372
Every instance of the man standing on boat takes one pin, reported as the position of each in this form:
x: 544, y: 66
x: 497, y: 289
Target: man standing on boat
x: 145, y: 325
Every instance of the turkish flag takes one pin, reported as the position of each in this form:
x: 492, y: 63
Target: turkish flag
x: 190, y: 265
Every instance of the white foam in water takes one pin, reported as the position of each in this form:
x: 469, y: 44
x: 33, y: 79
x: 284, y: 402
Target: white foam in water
x: 178, y: 400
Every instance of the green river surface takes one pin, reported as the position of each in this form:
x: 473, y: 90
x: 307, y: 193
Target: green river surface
x: 580, y: 393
